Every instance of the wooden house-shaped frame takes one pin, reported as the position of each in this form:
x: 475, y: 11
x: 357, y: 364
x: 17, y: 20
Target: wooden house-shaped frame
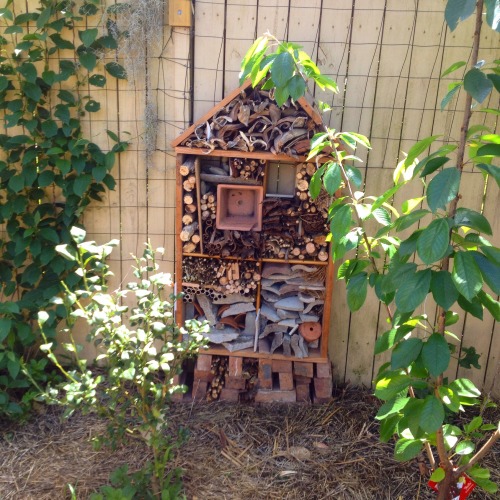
x: 252, y: 252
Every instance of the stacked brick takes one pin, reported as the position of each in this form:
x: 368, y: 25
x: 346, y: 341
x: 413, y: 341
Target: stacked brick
x: 275, y: 380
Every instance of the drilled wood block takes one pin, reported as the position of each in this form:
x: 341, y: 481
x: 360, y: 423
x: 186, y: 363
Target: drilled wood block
x: 202, y: 375
x: 303, y: 393
x: 282, y: 366
x: 199, y: 390
x: 266, y: 396
x: 235, y: 366
x: 265, y: 374
x: 236, y: 383
x: 204, y: 362
x: 303, y: 369
x: 227, y: 394
x: 323, y: 387
x: 286, y: 381
x: 323, y: 370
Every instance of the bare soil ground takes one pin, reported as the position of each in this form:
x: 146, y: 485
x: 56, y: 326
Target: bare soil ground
x: 234, y: 452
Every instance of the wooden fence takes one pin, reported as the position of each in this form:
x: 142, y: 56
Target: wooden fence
x: 387, y: 57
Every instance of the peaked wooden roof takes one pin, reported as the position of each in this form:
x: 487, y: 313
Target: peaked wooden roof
x: 214, y: 141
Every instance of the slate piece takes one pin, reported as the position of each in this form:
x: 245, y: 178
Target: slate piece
x: 290, y: 304
x: 269, y: 312
x: 239, y: 308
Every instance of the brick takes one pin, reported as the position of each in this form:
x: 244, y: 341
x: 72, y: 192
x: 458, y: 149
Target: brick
x: 265, y: 374
x: 323, y: 387
x: 265, y: 396
x: 204, y: 376
x: 303, y: 369
x: 204, y: 362
x: 235, y: 366
x: 232, y: 395
x: 303, y: 393
x: 323, y: 370
x: 286, y: 381
x: 302, y: 380
x: 199, y: 390
x: 282, y: 366
x: 237, y: 383
x: 178, y: 396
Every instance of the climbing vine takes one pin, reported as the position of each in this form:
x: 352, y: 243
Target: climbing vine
x: 52, y: 59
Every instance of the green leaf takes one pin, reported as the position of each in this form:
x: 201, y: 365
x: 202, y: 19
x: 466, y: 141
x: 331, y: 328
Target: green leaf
x: 405, y: 353
x: 419, y: 148
x: 490, y: 271
x: 438, y: 475
x: 477, y: 84
x: 60, y: 42
x: 28, y: 70
x: 391, y: 385
x: 92, y: 106
x: 432, y: 414
x: 406, y: 449
x: 340, y: 223
x: 88, y: 60
x: 433, y: 242
x: 382, y: 216
x: 487, y: 485
x: 282, y: 69
x: 5, y: 326
x: 356, y: 291
x: 116, y: 70
x: 436, y: 354
x: 449, y: 398
x: 44, y: 17
x: 296, y: 87
x: 443, y: 188
x: 256, y: 50
x: 489, y: 150
x: 353, y: 175
x: 443, y: 289
x: 392, y: 406
x: 473, y: 306
x: 493, y: 15
x: 490, y: 170
x: 88, y: 36
x: 281, y: 95
x: 453, y: 67
x: 433, y: 164
x: 81, y: 184
x: 31, y: 90
x: 470, y: 218
x: 413, y: 291
x: 466, y: 275
x: 332, y: 178
x: 465, y: 388
x: 458, y: 10
x: 464, y: 447
x: 453, y: 88
x: 315, y: 184
x: 490, y: 303
x: 405, y: 221
x: 97, y: 80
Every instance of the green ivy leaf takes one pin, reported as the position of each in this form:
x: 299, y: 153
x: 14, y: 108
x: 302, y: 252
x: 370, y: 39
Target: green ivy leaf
x: 44, y: 17
x: 458, y: 10
x: 466, y: 274
x: 116, y: 70
x: 31, y: 90
x: 88, y: 36
x: 433, y: 242
x: 406, y: 449
x: 443, y: 188
x: 5, y: 326
x: 88, y: 60
x: 413, y: 290
x: 92, y: 106
x: 61, y: 43
x: 432, y: 414
x: 356, y: 291
x: 16, y: 183
x: 97, y: 80
x: 405, y: 353
x: 81, y: 184
x: 28, y: 70
x: 436, y: 354
x: 477, y: 84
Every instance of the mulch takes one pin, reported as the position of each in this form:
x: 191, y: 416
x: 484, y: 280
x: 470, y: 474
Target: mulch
x: 235, y: 451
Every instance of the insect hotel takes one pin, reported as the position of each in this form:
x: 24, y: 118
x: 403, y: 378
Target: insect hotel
x: 252, y: 250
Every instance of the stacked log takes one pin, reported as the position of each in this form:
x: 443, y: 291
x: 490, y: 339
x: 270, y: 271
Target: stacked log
x: 245, y: 169
x: 190, y: 233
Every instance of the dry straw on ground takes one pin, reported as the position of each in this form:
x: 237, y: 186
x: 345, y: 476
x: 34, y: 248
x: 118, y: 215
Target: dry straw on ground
x: 234, y: 452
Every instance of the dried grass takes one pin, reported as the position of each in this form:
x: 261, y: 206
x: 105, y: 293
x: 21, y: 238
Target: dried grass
x: 234, y: 452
